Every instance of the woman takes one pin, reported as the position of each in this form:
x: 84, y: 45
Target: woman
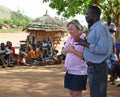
x: 75, y: 78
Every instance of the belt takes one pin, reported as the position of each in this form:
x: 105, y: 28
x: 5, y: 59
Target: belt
x: 90, y: 63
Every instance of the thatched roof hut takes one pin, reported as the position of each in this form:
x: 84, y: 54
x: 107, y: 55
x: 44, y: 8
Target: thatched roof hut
x: 46, y: 26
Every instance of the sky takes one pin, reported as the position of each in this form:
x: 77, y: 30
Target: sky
x: 35, y: 8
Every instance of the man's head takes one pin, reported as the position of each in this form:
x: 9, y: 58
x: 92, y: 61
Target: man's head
x: 92, y: 15
x: 2, y: 46
x: 34, y: 47
x: 9, y: 45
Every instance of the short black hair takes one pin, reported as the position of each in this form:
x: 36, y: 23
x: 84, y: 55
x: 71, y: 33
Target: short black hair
x: 96, y: 10
x: 2, y: 44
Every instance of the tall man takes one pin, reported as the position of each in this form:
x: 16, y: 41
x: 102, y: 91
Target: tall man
x: 98, y: 48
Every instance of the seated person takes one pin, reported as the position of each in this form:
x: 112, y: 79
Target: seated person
x: 39, y: 50
x: 9, y: 46
x: 22, y: 54
x: 114, y: 68
x: 28, y: 40
x: 115, y: 72
x: 47, y: 48
x: 33, y: 54
x: 5, y: 55
x: 33, y: 40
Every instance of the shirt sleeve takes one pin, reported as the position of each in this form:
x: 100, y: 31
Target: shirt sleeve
x: 100, y: 45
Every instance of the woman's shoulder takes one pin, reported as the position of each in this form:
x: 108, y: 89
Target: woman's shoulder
x: 83, y: 36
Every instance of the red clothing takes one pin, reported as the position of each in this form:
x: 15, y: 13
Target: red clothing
x: 13, y: 52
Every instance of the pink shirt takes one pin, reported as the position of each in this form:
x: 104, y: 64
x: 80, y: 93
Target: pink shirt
x: 74, y: 64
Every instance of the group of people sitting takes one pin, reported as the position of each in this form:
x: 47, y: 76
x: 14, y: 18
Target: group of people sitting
x: 113, y: 68
x: 7, y: 54
x: 36, y: 52
x: 114, y: 62
x: 32, y: 52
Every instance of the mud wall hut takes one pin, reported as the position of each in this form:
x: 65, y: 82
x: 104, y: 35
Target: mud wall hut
x: 45, y: 27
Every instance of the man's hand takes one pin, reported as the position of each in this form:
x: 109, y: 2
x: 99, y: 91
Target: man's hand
x: 82, y: 42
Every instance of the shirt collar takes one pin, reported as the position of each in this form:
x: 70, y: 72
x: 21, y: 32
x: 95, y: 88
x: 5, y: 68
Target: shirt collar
x: 94, y: 25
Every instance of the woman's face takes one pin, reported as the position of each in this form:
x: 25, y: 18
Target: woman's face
x: 73, y: 30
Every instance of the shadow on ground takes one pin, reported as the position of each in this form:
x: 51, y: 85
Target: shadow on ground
x: 39, y: 81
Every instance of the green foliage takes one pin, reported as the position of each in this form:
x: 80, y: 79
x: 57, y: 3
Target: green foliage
x: 1, y: 22
x: 17, y: 18
x: 69, y: 8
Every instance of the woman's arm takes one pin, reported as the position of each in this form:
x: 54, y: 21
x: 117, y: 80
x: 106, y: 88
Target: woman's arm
x: 71, y: 49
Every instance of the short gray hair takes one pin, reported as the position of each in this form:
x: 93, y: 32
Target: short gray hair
x: 76, y: 23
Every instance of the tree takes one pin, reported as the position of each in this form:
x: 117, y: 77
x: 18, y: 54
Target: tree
x: 70, y: 8
x: 19, y: 19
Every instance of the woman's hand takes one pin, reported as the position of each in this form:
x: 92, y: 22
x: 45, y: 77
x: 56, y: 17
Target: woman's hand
x: 70, y: 48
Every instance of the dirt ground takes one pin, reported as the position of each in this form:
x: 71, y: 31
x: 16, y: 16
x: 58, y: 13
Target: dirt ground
x: 37, y: 81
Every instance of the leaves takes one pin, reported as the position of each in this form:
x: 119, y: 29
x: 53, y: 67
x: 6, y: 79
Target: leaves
x: 69, y: 8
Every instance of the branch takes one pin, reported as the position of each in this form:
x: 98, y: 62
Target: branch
x: 110, y: 4
x: 97, y: 3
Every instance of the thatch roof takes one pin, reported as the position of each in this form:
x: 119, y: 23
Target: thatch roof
x: 46, y: 23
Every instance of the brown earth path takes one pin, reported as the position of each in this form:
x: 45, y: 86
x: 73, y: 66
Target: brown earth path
x: 37, y: 81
